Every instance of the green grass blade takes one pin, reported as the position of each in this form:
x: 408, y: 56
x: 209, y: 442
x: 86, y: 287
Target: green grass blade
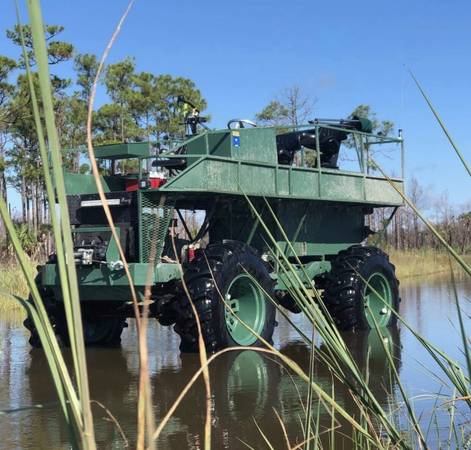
x: 269, y: 444
x: 442, y: 125
x: 51, y: 362
x: 49, y: 190
x: 50, y: 343
x: 450, y: 367
x: 461, y: 322
x: 309, y: 392
x: 48, y: 351
x: 74, y: 317
x: 410, y: 409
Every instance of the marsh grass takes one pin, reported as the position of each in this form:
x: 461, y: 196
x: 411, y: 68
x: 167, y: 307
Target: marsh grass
x: 421, y: 263
x: 13, y: 281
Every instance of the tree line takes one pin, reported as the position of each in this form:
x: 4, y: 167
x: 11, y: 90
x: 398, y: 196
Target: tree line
x: 140, y: 106
x: 405, y: 231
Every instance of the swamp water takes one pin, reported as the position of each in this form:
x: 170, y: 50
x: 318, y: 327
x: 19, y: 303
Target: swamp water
x: 246, y: 386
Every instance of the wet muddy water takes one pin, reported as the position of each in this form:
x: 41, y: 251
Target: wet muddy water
x: 246, y: 386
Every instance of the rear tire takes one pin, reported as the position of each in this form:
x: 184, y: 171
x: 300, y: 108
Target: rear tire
x: 350, y: 300
x: 33, y: 340
x: 222, y: 269
x: 28, y: 323
x: 97, y: 331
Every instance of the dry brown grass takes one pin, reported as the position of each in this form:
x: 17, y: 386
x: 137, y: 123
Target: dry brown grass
x: 12, y: 281
x: 422, y: 263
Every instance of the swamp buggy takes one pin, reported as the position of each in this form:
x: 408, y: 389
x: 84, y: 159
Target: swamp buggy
x: 323, y: 211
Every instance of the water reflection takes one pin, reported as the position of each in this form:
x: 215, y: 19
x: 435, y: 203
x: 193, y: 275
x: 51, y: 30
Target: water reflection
x: 246, y: 386
x: 368, y: 352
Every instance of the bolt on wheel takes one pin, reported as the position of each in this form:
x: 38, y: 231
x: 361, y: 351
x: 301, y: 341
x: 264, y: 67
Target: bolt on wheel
x: 378, y: 299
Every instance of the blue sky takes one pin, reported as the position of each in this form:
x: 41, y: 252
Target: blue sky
x: 343, y: 53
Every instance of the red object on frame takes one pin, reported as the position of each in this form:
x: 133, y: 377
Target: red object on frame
x: 132, y: 184
x: 191, y: 253
x: 156, y: 182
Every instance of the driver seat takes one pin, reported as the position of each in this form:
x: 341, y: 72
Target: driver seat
x: 288, y: 144
x: 169, y: 163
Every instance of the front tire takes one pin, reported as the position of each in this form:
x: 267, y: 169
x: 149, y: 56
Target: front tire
x: 360, y: 279
x: 226, y: 270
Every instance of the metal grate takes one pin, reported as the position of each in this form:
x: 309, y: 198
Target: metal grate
x: 157, y: 212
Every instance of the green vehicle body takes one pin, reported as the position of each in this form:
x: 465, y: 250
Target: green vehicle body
x: 322, y: 210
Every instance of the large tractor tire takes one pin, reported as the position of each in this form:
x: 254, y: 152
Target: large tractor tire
x: 97, y: 331
x: 28, y: 323
x: 362, y: 289
x: 104, y: 332
x: 221, y: 274
x: 33, y: 339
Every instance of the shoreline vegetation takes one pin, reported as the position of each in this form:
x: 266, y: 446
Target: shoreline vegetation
x: 411, y: 266
x: 12, y: 281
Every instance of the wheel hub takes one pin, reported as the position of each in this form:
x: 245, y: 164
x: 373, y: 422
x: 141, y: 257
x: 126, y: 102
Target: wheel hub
x: 245, y: 302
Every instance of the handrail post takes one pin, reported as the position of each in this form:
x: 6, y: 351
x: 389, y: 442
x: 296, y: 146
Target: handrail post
x: 364, y: 157
x: 402, y: 154
x: 318, y: 157
x: 366, y: 149
x: 359, y: 150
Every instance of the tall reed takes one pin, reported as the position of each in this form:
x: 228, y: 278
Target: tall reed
x: 145, y: 417
x: 441, y: 123
x: 75, y: 402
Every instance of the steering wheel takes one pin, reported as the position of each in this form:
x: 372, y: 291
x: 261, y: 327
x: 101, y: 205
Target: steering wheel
x: 239, y: 123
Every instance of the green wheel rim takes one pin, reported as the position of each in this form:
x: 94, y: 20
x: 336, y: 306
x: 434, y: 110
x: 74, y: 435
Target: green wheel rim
x: 247, y: 301
x: 378, y: 299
